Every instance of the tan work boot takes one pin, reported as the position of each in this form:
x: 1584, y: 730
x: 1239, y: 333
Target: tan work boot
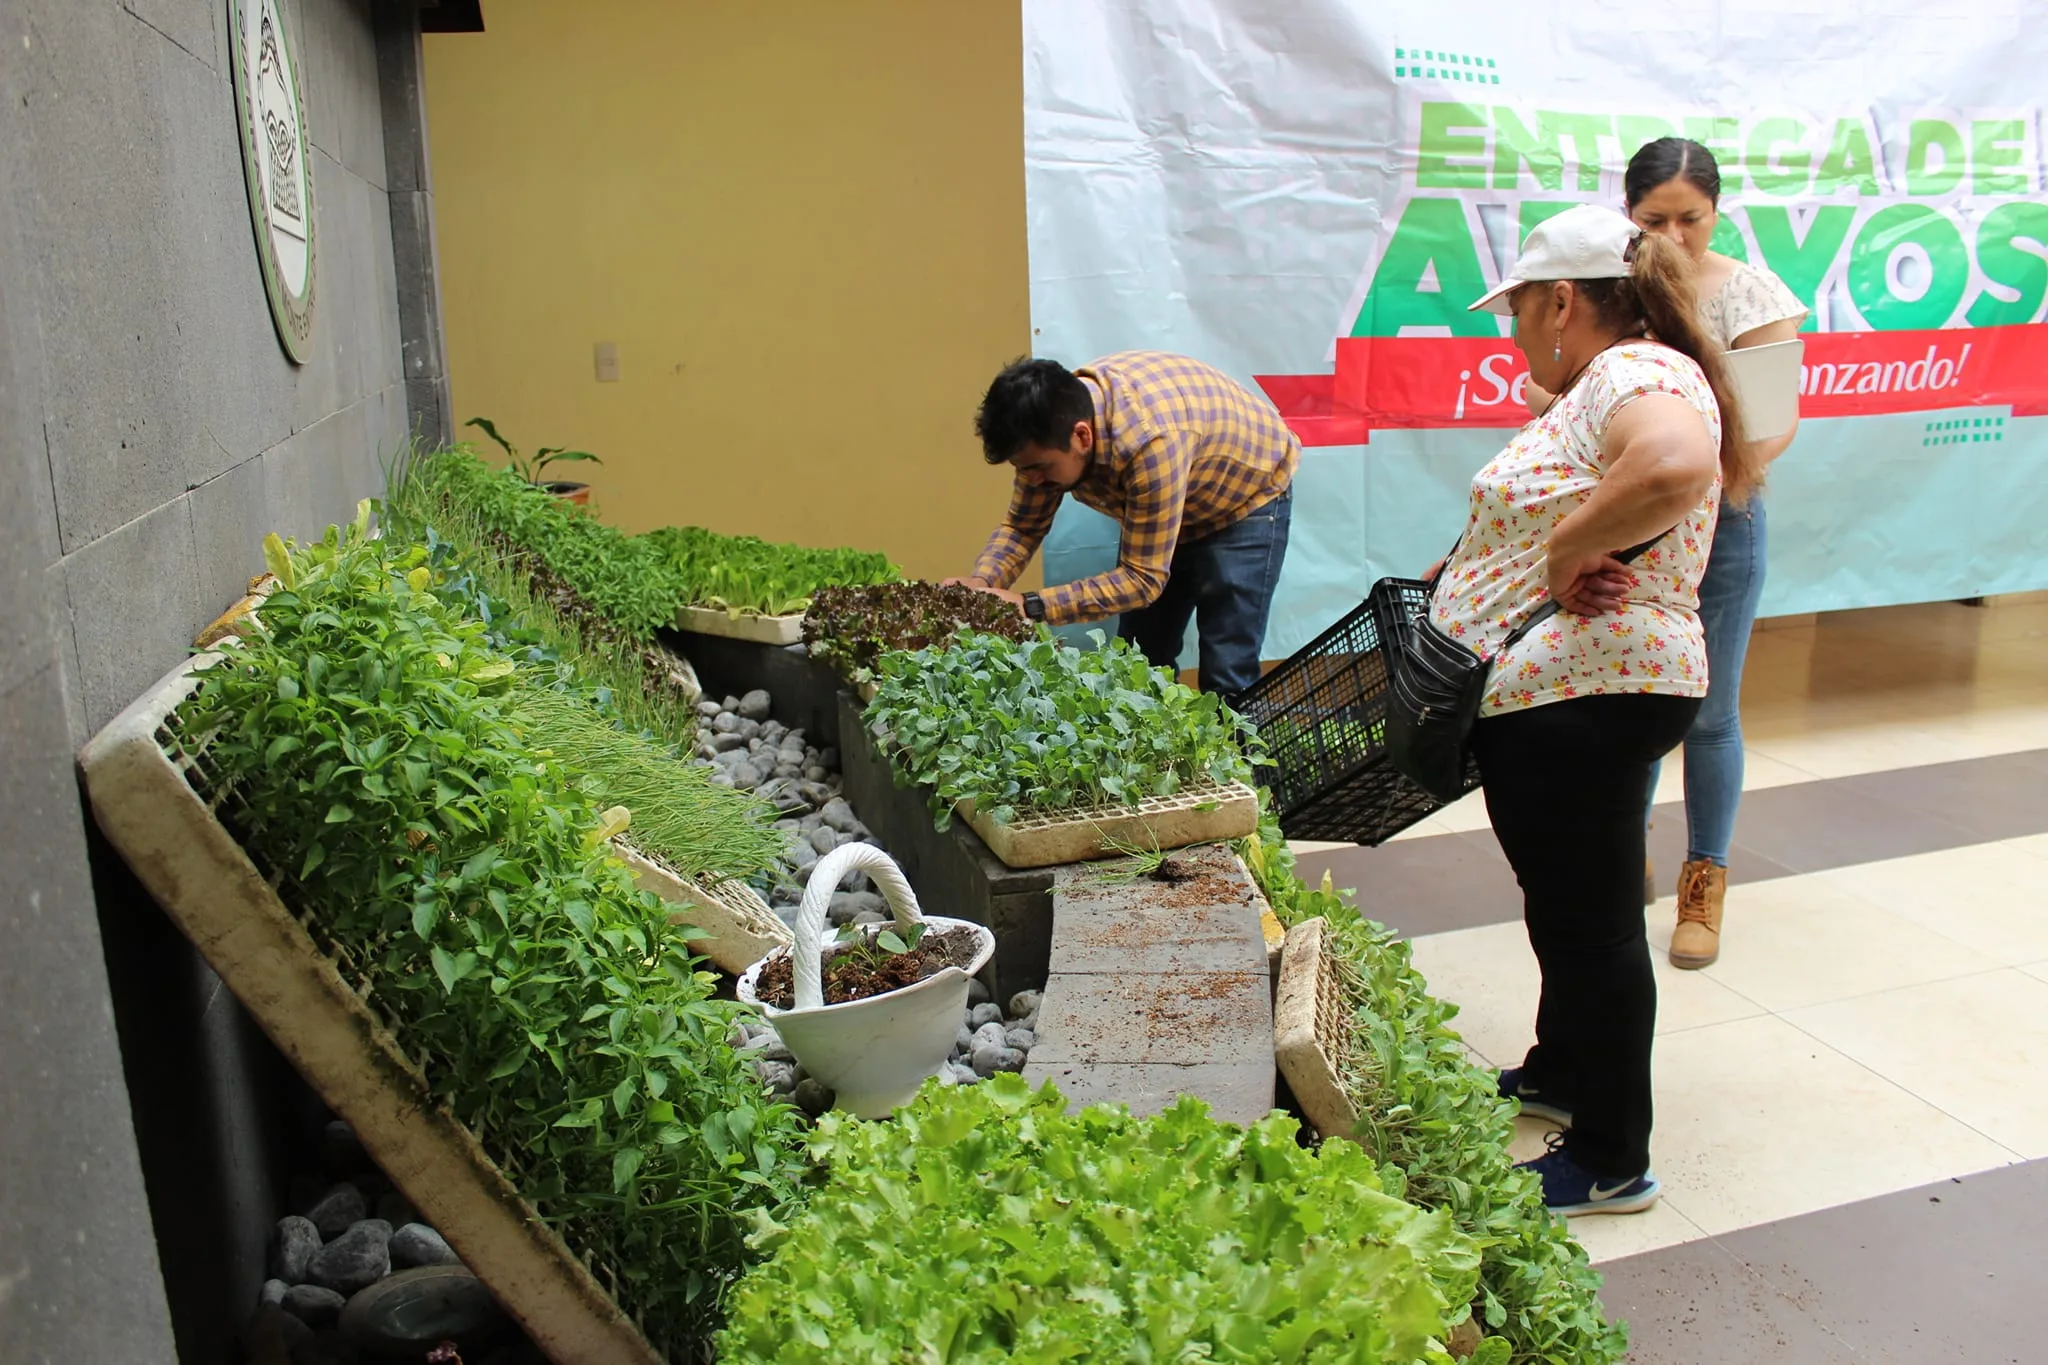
x: 1649, y: 882
x: 1696, y: 942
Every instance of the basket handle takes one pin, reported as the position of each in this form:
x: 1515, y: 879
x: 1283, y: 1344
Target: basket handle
x: 810, y: 916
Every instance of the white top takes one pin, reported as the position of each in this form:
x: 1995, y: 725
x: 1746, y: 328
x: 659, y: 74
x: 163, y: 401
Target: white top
x: 1498, y: 574
x: 1748, y: 299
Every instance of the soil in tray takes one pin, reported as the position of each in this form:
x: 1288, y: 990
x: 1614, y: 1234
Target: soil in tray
x: 856, y: 975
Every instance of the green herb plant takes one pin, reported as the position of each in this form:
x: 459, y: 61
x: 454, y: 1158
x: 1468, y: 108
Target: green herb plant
x: 744, y: 575
x: 872, y: 950
x: 1424, y: 1108
x: 361, y: 746
x: 533, y: 470
x: 985, y: 1223
x: 1041, y: 726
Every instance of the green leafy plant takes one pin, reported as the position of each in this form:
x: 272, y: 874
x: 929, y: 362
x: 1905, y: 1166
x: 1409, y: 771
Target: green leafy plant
x: 746, y: 575
x: 679, y: 817
x: 890, y: 942
x: 1041, y: 726
x: 533, y: 470
x: 987, y: 1224
x: 361, y: 746
x: 851, y: 628
x: 1423, y: 1107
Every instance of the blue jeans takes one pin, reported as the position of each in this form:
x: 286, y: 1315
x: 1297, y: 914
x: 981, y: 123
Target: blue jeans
x: 1729, y: 591
x: 1224, y: 583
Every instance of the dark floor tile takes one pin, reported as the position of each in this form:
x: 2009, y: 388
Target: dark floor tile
x: 1698, y: 1305
x: 2002, y: 797
x: 1425, y: 886
x: 1948, y: 1272
x: 1668, y: 849
x: 1816, y: 826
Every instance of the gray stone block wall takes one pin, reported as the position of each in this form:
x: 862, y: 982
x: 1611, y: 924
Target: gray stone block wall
x: 152, y: 430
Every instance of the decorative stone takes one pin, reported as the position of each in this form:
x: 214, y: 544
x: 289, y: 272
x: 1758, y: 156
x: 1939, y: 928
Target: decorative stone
x: 312, y: 1305
x: 755, y: 705
x: 977, y: 993
x: 779, y: 1077
x: 829, y: 758
x: 961, y: 1073
x: 751, y: 729
x: 727, y: 744
x: 963, y: 1041
x: 729, y: 723
x: 1023, y: 1039
x: 270, y: 1334
x: 1024, y: 1002
x: 416, y: 1244
x: 355, y: 1260
x: 824, y: 840
x: 870, y: 917
x: 297, y: 1241
x: 989, y: 1060
x: 990, y: 1013
x: 417, y: 1309
x: 708, y: 709
x: 745, y: 776
x: 730, y: 704
x: 815, y: 773
x: 839, y: 815
x: 338, y: 1210
x: 273, y: 1293
x: 773, y: 731
x: 816, y: 792
x: 813, y: 1096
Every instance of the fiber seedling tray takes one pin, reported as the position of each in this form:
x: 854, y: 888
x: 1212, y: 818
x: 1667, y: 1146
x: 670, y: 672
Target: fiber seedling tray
x: 764, y: 630
x: 146, y: 789
x: 1311, y: 1034
x: 1203, y: 812
x: 739, y: 927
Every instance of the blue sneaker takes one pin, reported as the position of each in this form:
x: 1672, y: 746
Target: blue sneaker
x: 1534, y: 1104
x: 1571, y: 1191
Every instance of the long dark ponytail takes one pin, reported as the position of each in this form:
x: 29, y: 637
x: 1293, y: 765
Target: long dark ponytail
x: 1661, y: 297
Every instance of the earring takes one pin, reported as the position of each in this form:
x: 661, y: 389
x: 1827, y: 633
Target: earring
x: 1557, y: 350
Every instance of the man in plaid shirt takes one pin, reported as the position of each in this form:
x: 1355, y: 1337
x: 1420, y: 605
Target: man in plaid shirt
x: 1195, y: 468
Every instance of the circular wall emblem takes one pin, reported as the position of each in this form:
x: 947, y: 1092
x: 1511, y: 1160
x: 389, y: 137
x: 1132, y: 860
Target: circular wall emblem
x: 277, y: 161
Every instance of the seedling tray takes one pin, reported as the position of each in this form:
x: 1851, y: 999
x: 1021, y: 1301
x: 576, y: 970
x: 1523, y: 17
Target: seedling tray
x: 151, y: 795
x: 1203, y: 812
x: 739, y: 927
x: 1312, y: 1031
x: 765, y: 630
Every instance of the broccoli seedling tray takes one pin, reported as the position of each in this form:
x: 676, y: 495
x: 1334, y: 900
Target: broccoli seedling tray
x: 1203, y: 812
x: 152, y: 794
x: 1312, y: 1031
x: 739, y: 928
x: 764, y: 630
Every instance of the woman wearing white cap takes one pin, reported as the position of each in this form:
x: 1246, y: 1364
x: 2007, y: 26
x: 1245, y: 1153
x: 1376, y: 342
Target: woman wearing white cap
x: 1636, y: 451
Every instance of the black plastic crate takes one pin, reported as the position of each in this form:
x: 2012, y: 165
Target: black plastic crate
x: 1322, y: 715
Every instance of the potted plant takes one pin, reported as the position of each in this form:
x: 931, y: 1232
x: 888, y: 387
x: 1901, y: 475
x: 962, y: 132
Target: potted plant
x: 873, y: 1014
x: 534, y: 470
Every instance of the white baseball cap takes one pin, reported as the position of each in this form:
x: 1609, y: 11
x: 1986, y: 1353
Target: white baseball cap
x: 1585, y: 242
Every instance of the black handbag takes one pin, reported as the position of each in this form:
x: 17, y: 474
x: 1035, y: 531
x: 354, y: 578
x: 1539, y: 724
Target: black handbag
x: 1435, y: 685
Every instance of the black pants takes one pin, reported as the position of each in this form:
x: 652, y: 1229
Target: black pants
x: 1566, y: 785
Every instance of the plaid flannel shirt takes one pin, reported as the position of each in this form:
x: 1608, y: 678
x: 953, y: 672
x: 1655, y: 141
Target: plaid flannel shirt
x: 1182, y: 451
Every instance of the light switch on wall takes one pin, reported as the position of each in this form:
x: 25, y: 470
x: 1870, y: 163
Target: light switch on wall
x: 607, y: 362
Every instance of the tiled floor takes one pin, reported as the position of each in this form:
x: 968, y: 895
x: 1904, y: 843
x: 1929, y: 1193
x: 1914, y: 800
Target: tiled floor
x: 1852, y: 1104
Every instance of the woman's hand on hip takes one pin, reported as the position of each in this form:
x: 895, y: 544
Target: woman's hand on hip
x: 1588, y: 584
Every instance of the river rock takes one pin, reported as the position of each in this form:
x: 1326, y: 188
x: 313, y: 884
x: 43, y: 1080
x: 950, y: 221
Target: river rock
x: 961, y: 1072
x: 990, y: 1013
x: 292, y: 1251
x: 963, y: 1041
x: 1023, y: 1003
x: 416, y: 1309
x: 728, y: 744
x: 777, y: 1076
x: 729, y: 723
x: 730, y: 704
x: 312, y: 1305
x: 870, y: 917
x: 815, y: 773
x: 824, y: 839
x: 338, y: 1210
x: 416, y: 1244
x: 355, y: 1260
x: 755, y: 705
x: 813, y: 1096
x: 989, y: 1060
x: 977, y: 993
x: 707, y: 708
x: 816, y: 792
x: 272, y: 1294
x: 989, y: 1034
x: 720, y: 777
x: 828, y: 757
x: 773, y: 731
x: 839, y: 815
x: 1023, y: 1039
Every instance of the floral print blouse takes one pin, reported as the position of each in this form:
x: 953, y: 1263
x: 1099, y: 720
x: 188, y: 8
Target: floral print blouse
x: 1497, y: 575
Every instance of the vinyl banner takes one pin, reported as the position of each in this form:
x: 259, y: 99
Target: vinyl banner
x: 1308, y: 193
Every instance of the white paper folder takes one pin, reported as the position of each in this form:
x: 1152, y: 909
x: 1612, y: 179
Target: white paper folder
x: 1766, y: 380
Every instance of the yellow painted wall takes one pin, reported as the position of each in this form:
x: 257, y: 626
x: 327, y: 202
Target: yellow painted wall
x: 801, y: 223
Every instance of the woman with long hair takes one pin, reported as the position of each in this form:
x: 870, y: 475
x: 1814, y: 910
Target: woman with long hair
x: 1632, y: 458
x: 1674, y: 191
